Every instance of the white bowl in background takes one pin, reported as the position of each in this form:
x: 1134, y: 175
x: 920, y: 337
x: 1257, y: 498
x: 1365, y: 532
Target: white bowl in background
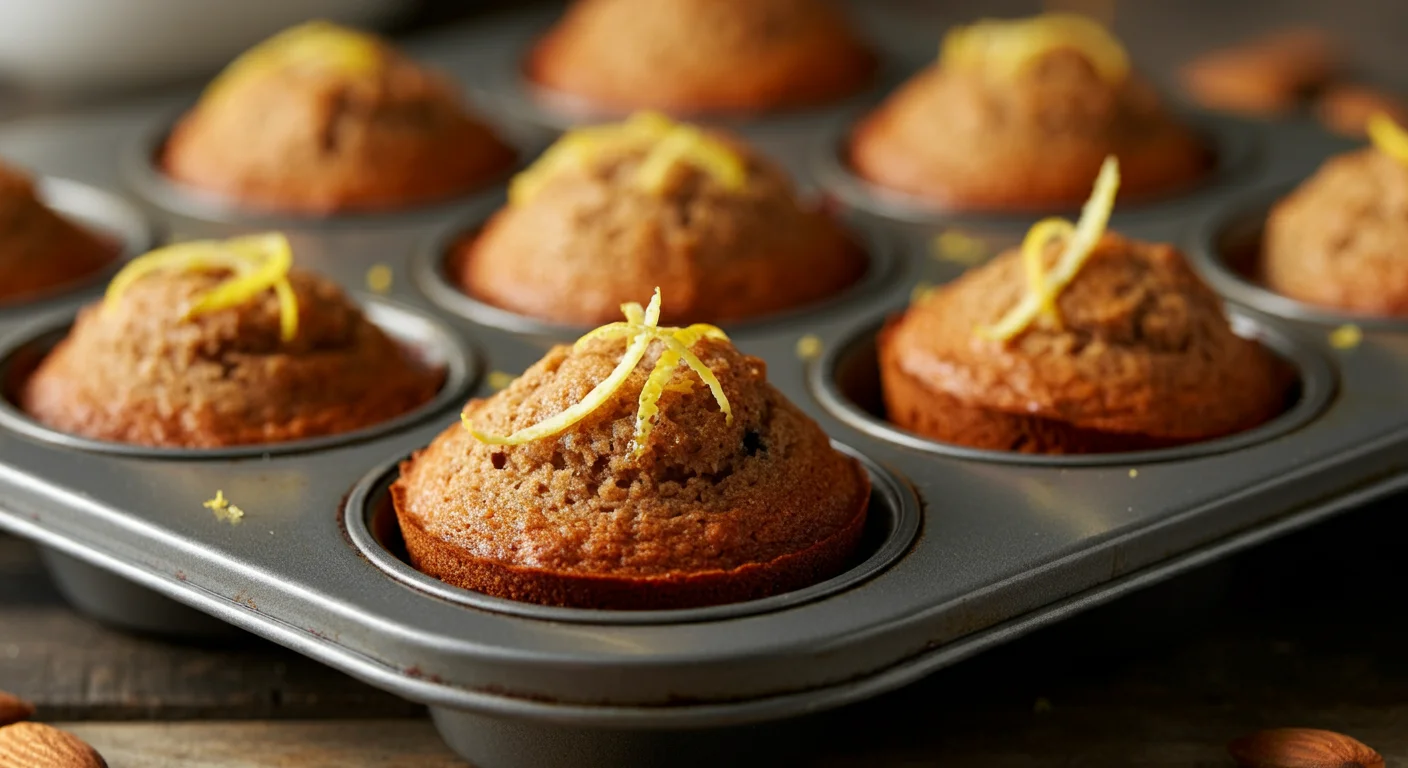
x: 80, y: 46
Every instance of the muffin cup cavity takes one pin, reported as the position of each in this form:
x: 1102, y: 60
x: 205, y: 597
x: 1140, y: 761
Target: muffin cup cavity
x: 1227, y: 251
x: 1233, y: 144
x: 847, y: 383
x: 891, y: 525
x: 432, y: 266
x: 22, y: 352
x: 108, y: 216
x: 141, y: 171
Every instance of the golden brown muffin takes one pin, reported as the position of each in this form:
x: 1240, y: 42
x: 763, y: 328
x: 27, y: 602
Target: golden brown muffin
x: 1018, y: 115
x: 156, y: 363
x: 40, y: 250
x: 320, y: 119
x: 1109, y: 345
x: 693, y: 56
x: 714, y: 507
x: 613, y: 211
x: 1341, y: 238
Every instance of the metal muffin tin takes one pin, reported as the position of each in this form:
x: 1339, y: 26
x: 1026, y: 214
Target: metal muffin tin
x: 971, y: 548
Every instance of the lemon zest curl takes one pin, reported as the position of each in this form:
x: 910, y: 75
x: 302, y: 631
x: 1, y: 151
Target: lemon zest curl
x: 315, y: 43
x: 642, y: 326
x: 1388, y: 136
x: 1007, y: 46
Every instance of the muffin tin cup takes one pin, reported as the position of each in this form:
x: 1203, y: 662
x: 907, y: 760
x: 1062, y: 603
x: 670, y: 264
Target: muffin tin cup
x: 892, y: 523
x: 1234, y: 144
x: 847, y: 383
x: 426, y: 336
x: 102, y: 213
x: 1003, y: 547
x: 1226, y: 247
x: 430, y: 270
x: 138, y: 165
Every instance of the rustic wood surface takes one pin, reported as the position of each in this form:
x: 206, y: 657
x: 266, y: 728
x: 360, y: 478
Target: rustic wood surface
x: 1307, y: 631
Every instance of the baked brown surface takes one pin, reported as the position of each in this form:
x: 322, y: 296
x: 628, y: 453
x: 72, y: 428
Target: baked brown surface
x: 41, y: 251
x: 961, y: 139
x: 138, y: 373
x: 693, y: 56
x: 1340, y: 239
x: 710, y: 513
x: 315, y: 140
x: 1145, y: 359
x: 590, y: 240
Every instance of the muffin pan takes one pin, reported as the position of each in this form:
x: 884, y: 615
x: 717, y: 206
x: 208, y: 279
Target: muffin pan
x: 973, y: 549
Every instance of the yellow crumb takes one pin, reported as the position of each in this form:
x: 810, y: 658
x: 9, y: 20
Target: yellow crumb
x: 920, y: 292
x: 959, y: 247
x: 1134, y: 473
x: 1346, y: 336
x: 223, y: 509
x: 808, y: 347
x: 499, y: 380
x: 379, y: 279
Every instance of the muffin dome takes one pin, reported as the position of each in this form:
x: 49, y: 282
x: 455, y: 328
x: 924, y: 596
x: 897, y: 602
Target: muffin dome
x: 1018, y: 115
x: 692, y: 56
x: 39, y: 249
x: 706, y: 507
x: 1341, y: 238
x: 611, y: 212
x: 146, y: 366
x: 320, y: 119
x: 1122, y: 348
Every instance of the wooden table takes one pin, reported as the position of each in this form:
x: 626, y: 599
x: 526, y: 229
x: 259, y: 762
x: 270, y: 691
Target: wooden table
x: 1307, y: 631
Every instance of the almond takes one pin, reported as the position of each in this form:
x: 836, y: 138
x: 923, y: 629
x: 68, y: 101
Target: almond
x: 1346, y: 108
x: 14, y: 709
x: 35, y: 745
x: 1302, y: 748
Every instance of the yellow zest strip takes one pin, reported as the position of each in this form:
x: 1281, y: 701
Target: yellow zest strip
x: 641, y: 327
x: 1084, y: 236
x: 669, y: 144
x: 1388, y: 136
x: 257, y: 262
x: 314, y: 43
x: 1033, y: 248
x: 1008, y: 46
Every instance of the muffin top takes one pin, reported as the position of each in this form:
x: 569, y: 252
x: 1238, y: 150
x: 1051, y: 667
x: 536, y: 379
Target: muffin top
x: 711, y: 469
x: 1019, y: 115
x: 1341, y: 238
x: 1107, y: 334
x: 690, y: 56
x: 610, y: 212
x: 184, y: 353
x: 39, y: 249
x: 321, y: 119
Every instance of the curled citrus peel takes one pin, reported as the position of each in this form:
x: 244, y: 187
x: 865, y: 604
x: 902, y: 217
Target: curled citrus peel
x: 1080, y: 240
x: 320, y: 44
x: 1006, y: 47
x: 257, y: 263
x: 668, y: 144
x: 1388, y: 136
x: 641, y: 327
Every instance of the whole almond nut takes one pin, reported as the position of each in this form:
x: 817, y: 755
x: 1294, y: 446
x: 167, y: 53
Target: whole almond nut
x: 14, y: 709
x: 35, y: 745
x: 1302, y: 748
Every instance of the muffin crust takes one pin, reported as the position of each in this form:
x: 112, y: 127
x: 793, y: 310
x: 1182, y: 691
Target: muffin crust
x: 40, y: 251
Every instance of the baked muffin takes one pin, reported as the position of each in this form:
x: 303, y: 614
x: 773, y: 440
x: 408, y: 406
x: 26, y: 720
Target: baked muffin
x: 211, y: 344
x: 1091, y: 343
x: 606, y: 478
x: 1341, y: 238
x: 1018, y: 115
x: 320, y: 119
x: 610, y: 212
x: 693, y: 56
x: 40, y: 250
